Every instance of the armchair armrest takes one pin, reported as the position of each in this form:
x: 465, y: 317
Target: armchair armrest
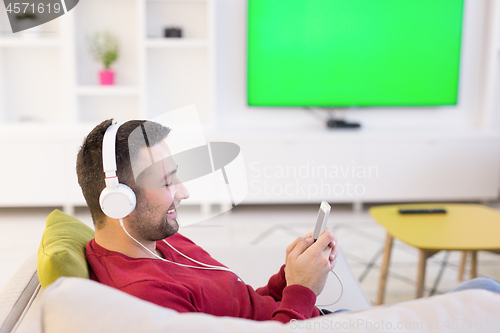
x: 18, y: 295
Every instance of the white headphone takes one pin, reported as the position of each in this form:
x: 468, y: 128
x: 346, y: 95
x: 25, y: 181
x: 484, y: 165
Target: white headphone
x: 117, y: 200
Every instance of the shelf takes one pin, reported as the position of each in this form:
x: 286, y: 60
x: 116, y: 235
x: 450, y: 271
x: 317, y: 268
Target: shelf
x: 29, y: 42
x: 174, y: 43
x: 191, y: 16
x: 107, y: 91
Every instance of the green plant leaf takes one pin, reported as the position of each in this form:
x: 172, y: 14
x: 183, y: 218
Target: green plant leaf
x: 104, y: 47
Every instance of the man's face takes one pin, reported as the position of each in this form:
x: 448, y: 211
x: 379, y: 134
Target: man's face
x: 158, y: 195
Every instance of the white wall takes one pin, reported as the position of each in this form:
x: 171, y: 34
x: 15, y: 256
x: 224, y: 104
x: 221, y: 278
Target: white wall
x: 233, y: 113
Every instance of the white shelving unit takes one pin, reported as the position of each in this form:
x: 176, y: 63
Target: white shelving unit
x: 186, y: 75
x: 187, y: 43
x: 153, y: 74
x: 25, y: 42
x: 49, y: 85
x: 107, y: 91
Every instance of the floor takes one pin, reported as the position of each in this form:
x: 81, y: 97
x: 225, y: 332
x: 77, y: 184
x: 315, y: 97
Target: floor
x: 360, y: 238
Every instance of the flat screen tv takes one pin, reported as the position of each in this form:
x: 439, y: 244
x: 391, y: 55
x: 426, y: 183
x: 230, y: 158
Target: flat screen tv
x: 345, y: 53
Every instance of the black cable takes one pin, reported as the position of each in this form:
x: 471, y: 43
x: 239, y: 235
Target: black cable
x: 312, y: 111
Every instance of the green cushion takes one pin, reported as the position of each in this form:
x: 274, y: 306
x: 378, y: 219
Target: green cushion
x: 62, y: 249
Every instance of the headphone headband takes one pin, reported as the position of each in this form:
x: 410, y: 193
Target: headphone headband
x: 108, y: 146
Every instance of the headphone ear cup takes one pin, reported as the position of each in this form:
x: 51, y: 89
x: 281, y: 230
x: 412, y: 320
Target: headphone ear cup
x: 117, y: 203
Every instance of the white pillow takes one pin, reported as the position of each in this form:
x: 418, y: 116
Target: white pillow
x: 80, y: 305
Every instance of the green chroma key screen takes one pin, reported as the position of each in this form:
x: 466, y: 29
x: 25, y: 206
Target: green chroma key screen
x: 354, y: 52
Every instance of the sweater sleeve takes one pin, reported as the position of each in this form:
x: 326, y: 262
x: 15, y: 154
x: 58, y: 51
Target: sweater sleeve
x: 172, y: 296
x: 275, y: 286
x: 298, y: 303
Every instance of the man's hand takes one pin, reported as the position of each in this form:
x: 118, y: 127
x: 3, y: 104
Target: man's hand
x: 308, y: 262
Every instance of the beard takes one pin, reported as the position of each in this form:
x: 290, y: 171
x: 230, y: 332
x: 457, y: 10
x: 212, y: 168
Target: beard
x: 152, y: 222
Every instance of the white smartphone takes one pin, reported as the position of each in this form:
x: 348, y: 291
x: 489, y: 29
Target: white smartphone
x: 324, y: 211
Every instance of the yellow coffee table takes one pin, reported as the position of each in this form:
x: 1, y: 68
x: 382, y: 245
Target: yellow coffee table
x: 464, y: 227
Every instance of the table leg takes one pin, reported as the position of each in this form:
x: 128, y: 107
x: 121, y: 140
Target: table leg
x: 385, y: 267
x: 422, y: 259
x: 461, y: 268
x: 473, y: 265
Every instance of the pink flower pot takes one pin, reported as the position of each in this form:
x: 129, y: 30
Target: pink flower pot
x: 107, y: 77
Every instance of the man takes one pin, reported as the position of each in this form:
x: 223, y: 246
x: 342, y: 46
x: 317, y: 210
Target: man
x: 143, y: 255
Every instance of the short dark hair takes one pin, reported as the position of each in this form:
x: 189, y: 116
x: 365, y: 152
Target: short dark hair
x: 89, y: 168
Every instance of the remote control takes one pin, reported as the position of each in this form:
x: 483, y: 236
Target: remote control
x: 423, y: 211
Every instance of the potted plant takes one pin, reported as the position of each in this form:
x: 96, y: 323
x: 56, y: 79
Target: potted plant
x: 105, y: 49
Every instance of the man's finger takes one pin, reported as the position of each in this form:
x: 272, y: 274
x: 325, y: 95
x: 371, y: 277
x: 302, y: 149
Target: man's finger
x: 333, y: 264
x: 293, y: 244
x: 323, y: 241
x: 327, y: 253
x: 301, y: 247
x: 334, y: 241
x: 334, y: 254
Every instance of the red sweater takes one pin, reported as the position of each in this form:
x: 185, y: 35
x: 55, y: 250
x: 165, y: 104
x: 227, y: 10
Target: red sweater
x: 187, y: 289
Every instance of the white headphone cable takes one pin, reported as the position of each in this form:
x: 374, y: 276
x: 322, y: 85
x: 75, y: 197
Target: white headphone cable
x: 208, y: 267
x: 189, y: 258
x: 341, y: 291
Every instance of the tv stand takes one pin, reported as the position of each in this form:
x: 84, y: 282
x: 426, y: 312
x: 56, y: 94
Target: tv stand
x: 332, y: 123
x: 369, y: 165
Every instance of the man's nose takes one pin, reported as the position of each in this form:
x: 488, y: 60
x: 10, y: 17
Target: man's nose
x: 181, y: 192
